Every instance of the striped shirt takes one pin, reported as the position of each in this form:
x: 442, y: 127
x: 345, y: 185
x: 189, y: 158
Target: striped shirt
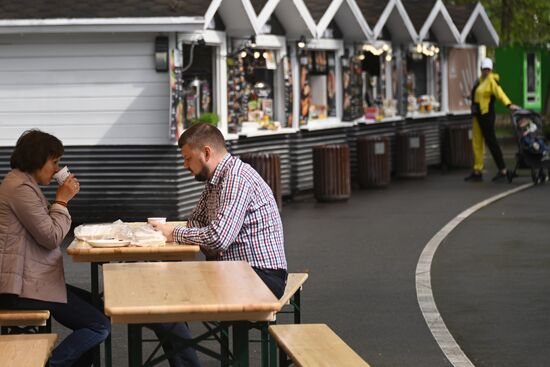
x: 237, y: 218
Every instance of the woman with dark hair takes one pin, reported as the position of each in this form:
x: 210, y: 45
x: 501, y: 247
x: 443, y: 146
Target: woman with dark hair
x: 31, y: 262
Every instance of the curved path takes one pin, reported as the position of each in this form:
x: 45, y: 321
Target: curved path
x: 424, y: 293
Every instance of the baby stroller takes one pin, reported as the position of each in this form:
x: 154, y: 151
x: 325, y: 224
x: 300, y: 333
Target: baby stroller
x: 528, y: 157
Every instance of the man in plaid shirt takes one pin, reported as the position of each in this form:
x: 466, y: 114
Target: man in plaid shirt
x: 236, y: 218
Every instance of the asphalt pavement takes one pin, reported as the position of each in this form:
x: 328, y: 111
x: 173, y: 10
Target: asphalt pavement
x: 490, y: 277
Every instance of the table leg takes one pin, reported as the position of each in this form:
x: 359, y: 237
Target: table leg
x: 134, y: 346
x: 240, y: 343
x: 96, y: 302
x: 224, y: 344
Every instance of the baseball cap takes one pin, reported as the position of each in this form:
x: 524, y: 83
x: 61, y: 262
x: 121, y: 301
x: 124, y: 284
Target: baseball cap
x: 487, y: 64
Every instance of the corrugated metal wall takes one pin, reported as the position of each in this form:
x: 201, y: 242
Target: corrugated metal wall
x: 133, y: 182
x: 125, y: 182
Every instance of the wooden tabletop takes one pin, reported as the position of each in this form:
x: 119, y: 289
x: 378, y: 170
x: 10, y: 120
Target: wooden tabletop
x: 186, y: 291
x: 81, y: 251
x: 26, y: 350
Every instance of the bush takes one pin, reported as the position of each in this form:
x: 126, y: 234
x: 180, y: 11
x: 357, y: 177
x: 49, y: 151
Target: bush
x: 207, y: 117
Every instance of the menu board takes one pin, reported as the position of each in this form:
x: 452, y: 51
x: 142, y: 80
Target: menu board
x: 462, y: 64
x: 353, y: 88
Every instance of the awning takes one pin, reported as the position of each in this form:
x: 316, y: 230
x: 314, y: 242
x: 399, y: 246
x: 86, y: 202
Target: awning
x: 348, y: 17
x: 238, y: 16
x: 292, y: 14
x: 440, y: 23
x: 390, y: 16
x: 481, y: 27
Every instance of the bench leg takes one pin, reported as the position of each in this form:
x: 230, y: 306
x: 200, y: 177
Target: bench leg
x: 296, y: 304
x: 283, y: 360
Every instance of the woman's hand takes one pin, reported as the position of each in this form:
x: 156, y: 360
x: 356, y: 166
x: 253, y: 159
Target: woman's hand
x: 67, y: 190
x: 166, y: 229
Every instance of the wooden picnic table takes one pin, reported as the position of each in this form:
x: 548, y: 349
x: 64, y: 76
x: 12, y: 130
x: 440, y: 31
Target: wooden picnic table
x: 142, y: 293
x: 81, y: 251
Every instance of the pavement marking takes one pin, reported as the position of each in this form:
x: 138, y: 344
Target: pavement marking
x: 424, y: 294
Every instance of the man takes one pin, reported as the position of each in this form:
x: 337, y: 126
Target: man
x: 236, y: 219
x: 484, y: 93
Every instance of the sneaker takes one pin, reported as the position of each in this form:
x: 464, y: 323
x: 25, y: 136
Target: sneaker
x: 474, y: 177
x: 503, y: 177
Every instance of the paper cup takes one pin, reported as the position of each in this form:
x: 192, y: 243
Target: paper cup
x: 156, y: 219
x: 61, y: 175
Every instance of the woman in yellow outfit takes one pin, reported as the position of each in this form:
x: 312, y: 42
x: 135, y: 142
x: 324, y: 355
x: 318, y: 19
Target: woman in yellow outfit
x: 484, y: 93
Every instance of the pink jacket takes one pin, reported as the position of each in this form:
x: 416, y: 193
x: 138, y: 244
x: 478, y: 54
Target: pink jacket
x: 31, y: 231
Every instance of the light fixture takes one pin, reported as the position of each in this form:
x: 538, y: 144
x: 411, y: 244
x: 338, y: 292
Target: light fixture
x: 361, y: 56
x: 265, y: 55
x: 388, y: 57
x: 256, y: 54
x: 252, y: 41
x: 243, y: 54
x: 161, y: 53
x: 302, y: 42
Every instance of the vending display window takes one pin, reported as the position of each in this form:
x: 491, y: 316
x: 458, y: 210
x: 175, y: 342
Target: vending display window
x: 258, y: 87
x: 352, y: 84
x: 379, y: 73
x: 423, y: 79
x: 191, y: 83
x: 317, y: 85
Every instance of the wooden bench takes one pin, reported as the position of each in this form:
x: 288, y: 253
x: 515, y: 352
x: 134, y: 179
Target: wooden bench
x: 293, y: 289
x: 24, y: 321
x: 314, y: 345
x: 29, y: 350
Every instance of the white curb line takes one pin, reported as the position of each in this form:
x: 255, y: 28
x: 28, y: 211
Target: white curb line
x: 424, y: 293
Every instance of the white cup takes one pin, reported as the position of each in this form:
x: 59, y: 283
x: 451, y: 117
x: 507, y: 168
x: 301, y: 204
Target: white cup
x: 161, y: 220
x: 61, y: 175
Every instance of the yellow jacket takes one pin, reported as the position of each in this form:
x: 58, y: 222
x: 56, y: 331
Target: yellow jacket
x: 488, y: 88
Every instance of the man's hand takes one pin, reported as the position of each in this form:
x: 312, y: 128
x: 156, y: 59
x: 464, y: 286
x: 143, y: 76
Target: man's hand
x: 513, y: 107
x: 166, y: 229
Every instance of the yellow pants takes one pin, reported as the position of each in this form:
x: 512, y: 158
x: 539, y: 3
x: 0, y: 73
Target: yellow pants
x: 478, y: 145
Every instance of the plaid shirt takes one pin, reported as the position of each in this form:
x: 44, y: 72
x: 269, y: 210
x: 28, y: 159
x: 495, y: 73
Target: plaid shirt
x: 237, y: 218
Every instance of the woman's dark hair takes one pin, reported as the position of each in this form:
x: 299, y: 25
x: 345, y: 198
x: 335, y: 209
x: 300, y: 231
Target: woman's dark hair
x: 33, y: 149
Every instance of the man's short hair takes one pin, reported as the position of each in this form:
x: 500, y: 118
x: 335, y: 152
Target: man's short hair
x: 200, y: 135
x: 33, y: 149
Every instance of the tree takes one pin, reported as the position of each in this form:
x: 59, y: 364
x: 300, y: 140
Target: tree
x: 517, y: 21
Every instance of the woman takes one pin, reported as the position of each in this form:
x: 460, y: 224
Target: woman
x: 484, y: 93
x: 31, y: 263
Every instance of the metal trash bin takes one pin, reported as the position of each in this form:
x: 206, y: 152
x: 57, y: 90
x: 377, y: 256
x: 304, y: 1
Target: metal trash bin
x: 268, y: 165
x: 373, y: 159
x: 411, y: 155
x: 457, y: 149
x: 331, y: 172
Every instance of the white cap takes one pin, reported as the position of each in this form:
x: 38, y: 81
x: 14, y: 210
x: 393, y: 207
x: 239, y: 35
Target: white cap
x: 487, y: 64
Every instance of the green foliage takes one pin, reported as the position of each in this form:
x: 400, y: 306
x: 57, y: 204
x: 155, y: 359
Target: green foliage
x: 207, y: 117
x: 517, y: 21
